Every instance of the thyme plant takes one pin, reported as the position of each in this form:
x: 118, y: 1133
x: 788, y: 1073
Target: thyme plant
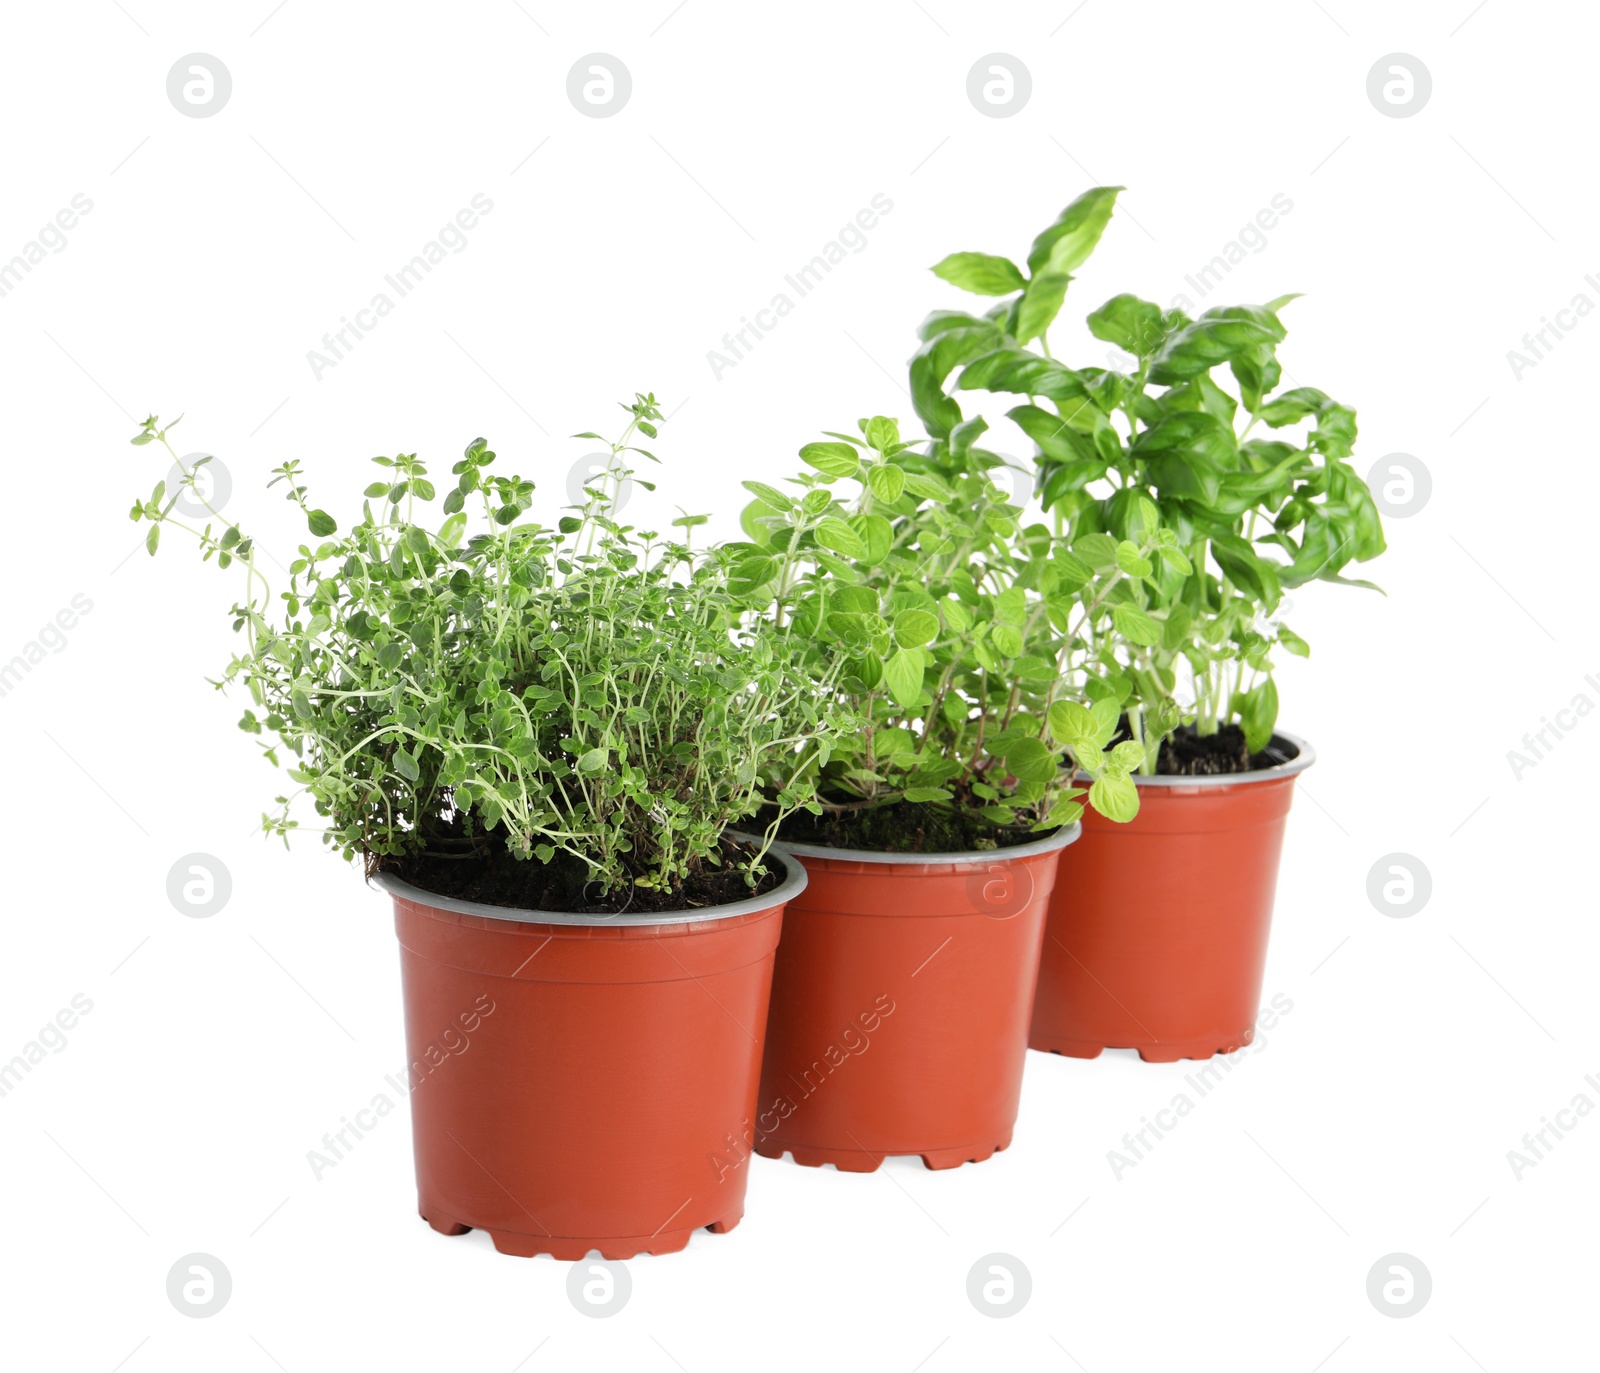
x: 1178, y: 437
x: 585, y: 694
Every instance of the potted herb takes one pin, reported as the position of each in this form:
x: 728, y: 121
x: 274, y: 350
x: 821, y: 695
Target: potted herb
x: 534, y: 739
x: 1256, y: 487
x: 903, y: 576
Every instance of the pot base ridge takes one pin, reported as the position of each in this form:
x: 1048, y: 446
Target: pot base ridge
x: 868, y: 1161
x: 1160, y: 1052
x: 569, y: 1249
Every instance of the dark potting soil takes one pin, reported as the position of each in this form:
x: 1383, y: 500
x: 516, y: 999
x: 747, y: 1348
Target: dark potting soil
x: 492, y: 876
x: 1184, y: 753
x: 903, y: 827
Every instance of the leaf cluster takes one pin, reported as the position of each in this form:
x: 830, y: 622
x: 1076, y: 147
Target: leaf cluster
x: 906, y: 577
x: 1243, y: 490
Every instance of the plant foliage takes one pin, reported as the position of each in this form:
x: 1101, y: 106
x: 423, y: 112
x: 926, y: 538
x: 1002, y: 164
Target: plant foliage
x: 1241, y: 489
x: 951, y: 629
x: 587, y: 689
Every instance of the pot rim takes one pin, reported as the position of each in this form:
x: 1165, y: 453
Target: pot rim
x: 1303, y: 758
x: 1059, y: 840
x: 793, y: 884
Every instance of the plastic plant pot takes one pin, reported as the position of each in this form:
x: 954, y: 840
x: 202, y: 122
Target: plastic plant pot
x: 900, y: 1005
x: 582, y: 1082
x: 1157, y: 938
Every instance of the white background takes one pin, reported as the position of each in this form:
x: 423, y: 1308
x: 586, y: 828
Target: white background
x: 1375, y: 1118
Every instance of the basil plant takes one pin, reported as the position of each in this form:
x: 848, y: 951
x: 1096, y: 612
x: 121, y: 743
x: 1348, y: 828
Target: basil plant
x: 1237, y: 490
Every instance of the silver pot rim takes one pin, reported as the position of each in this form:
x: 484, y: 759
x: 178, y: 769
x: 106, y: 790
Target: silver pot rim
x: 1059, y: 840
x: 1297, y: 762
x: 794, y: 882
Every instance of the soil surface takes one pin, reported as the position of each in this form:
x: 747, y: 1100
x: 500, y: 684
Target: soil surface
x: 492, y: 876
x: 1187, y: 754
x: 903, y: 827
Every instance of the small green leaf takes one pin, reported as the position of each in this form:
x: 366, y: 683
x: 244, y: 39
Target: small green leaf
x: 1135, y: 626
x: 768, y: 495
x: 886, y: 481
x: 1030, y: 760
x: 921, y: 794
x: 903, y: 676
x: 1098, y: 551
x: 881, y: 433
x: 1115, y: 797
x: 1127, y: 754
x: 1107, y: 715
x: 1131, y: 561
x: 877, y: 534
x: 406, y: 765
x: 833, y: 533
x: 1177, y: 559
x: 1069, y: 721
x: 451, y: 530
x: 981, y: 273
x: 1007, y: 640
x: 593, y: 761
x: 832, y: 459
x: 752, y: 519
x: 152, y: 539
x: 321, y: 523
x: 1293, y: 642
x: 921, y: 485
x: 914, y: 628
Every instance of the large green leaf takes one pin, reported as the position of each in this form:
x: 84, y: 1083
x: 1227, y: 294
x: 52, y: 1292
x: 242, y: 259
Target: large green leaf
x: 1057, y: 440
x: 1130, y: 323
x: 1249, y: 571
x: 1187, y: 454
x: 933, y: 363
x: 1065, y: 245
x: 1218, y: 335
x: 1040, y: 304
x: 1259, y: 715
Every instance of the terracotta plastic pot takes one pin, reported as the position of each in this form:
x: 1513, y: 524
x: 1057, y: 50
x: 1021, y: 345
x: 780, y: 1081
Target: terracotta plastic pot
x: 900, y: 1005
x: 582, y: 1082
x: 1157, y: 938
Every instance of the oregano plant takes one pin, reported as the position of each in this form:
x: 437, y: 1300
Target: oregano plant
x: 1242, y: 489
x: 950, y: 631
x: 586, y: 698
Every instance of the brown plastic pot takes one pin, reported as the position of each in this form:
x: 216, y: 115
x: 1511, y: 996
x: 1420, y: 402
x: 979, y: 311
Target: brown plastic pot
x: 581, y: 1082
x: 900, y: 1005
x: 1157, y: 938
